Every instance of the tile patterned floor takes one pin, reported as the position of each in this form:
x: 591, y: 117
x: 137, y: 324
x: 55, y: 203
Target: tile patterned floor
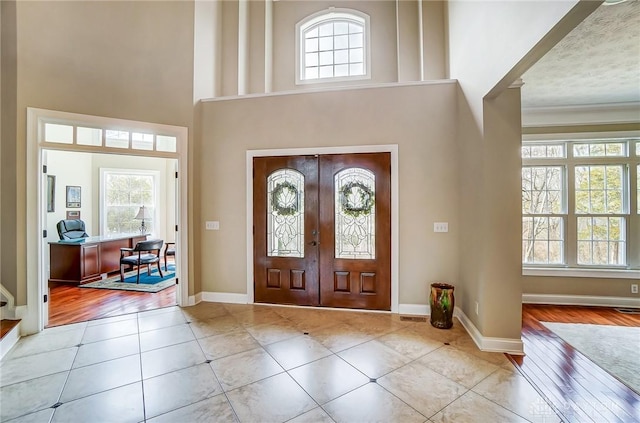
x: 258, y: 363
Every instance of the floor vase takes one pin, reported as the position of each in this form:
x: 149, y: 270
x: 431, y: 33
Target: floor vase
x: 441, y: 301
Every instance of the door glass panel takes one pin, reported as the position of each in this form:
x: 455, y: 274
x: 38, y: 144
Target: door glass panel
x: 355, y: 214
x: 285, y: 214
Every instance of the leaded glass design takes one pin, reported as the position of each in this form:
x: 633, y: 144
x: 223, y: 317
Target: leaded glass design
x: 285, y: 214
x: 355, y: 222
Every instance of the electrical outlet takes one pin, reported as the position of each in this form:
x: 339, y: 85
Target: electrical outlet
x: 477, y: 308
x: 440, y: 227
x: 634, y: 288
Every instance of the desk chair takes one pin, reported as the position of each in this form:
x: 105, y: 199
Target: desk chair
x: 169, y: 250
x: 148, y: 252
x: 71, y: 229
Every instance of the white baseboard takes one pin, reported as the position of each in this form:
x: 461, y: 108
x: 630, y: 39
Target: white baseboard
x: 9, y: 340
x: 485, y: 343
x: 414, y: 309
x: 513, y: 346
x: 583, y: 300
x: 225, y: 297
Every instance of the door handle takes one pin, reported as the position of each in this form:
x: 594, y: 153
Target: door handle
x: 314, y: 243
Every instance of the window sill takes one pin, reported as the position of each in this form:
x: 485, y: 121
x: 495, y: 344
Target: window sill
x: 581, y: 273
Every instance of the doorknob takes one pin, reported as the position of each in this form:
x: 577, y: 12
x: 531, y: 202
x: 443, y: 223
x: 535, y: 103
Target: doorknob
x: 314, y: 243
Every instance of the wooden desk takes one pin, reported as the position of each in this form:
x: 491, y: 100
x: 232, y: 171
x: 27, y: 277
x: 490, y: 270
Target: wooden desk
x: 87, y: 259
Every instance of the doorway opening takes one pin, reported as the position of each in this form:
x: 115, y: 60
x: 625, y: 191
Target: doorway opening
x: 112, y: 190
x: 49, y: 130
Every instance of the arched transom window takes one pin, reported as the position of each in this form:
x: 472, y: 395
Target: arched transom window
x: 333, y: 45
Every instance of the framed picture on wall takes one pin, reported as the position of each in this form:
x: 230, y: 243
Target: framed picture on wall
x: 73, y: 197
x: 51, y: 193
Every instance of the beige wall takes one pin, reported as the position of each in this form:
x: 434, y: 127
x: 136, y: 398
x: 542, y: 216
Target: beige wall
x: 490, y: 45
x: 420, y: 119
x: 130, y: 60
x: 395, y: 56
x: 490, y: 40
x: 8, y: 154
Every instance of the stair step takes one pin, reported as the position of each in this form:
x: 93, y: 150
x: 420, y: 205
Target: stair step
x: 6, y: 326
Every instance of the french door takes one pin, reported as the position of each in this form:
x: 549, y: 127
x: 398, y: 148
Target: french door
x: 322, y: 230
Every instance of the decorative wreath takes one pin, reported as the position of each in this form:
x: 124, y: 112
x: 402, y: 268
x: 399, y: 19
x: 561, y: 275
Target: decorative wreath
x: 284, y: 199
x: 363, y: 196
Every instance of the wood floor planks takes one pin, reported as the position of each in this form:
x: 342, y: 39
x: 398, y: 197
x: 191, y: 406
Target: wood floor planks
x: 578, y: 389
x: 70, y: 304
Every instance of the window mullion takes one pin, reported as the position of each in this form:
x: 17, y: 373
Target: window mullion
x: 571, y: 244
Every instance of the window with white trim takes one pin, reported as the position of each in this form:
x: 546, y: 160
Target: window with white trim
x: 124, y: 191
x: 333, y: 45
x: 578, y: 206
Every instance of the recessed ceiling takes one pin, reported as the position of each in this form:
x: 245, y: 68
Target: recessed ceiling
x: 597, y: 63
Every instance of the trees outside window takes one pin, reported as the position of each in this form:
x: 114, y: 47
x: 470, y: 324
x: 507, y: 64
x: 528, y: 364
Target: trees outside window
x: 124, y: 192
x: 576, y: 203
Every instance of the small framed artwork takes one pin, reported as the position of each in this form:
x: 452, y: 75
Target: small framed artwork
x: 73, y: 214
x: 51, y: 193
x: 73, y: 197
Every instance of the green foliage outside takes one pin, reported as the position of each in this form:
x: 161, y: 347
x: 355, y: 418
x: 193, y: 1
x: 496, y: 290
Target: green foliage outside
x: 124, y: 195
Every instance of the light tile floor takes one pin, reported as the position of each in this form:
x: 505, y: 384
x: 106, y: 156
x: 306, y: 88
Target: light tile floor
x: 259, y: 363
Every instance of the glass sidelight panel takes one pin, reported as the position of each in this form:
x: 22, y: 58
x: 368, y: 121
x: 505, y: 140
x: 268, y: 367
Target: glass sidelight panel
x: 355, y: 214
x: 285, y: 214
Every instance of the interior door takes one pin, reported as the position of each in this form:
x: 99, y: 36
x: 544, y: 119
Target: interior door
x: 355, y: 231
x: 322, y: 230
x: 285, y: 215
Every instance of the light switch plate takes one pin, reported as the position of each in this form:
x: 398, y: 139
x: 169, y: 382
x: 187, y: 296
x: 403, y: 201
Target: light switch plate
x: 440, y: 226
x: 212, y: 225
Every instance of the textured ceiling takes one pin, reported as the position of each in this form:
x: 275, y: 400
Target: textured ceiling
x: 596, y: 63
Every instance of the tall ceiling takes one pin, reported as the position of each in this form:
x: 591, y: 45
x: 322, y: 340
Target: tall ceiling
x: 598, y: 63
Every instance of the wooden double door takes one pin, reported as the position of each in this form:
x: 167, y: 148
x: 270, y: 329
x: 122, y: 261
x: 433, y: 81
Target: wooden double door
x: 322, y: 230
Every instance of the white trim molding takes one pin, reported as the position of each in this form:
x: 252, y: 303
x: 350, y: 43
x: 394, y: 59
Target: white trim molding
x: 513, y: 346
x: 414, y: 309
x: 224, y: 297
x: 484, y: 343
x: 8, y: 311
x: 36, y: 313
x: 581, y: 273
x: 583, y: 300
x: 593, y: 114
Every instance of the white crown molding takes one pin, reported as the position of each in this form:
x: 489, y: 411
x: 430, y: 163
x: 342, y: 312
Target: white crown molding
x: 518, y: 83
x: 582, y: 300
x: 592, y: 114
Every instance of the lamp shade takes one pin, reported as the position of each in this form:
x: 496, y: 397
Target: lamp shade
x: 143, y: 214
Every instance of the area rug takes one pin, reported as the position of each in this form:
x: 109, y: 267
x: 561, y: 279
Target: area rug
x: 148, y: 283
x: 613, y: 348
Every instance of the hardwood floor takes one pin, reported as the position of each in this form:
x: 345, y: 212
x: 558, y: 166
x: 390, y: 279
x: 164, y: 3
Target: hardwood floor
x: 578, y: 389
x: 70, y: 304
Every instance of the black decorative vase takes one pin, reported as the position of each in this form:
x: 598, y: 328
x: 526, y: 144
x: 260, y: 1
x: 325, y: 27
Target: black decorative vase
x: 441, y: 301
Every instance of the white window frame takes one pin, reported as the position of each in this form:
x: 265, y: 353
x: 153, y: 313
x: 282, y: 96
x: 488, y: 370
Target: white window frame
x: 570, y: 268
x: 326, y: 16
x: 153, y: 230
